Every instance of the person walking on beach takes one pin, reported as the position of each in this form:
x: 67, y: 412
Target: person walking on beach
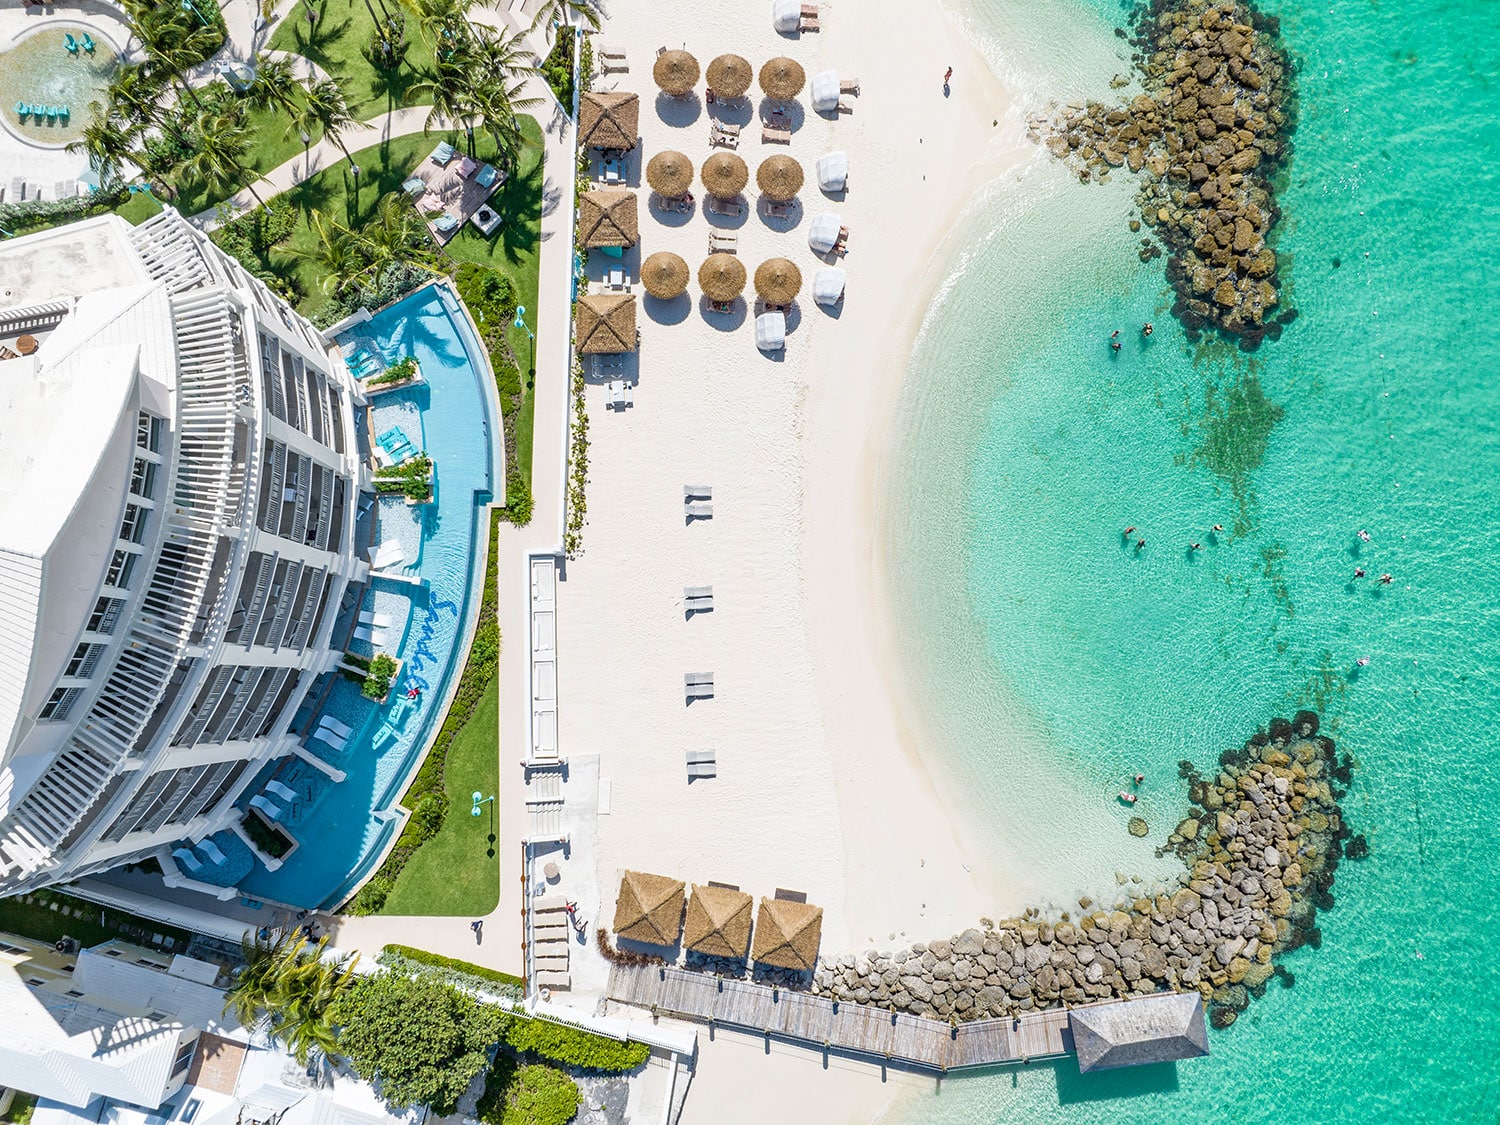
x: 948, y: 77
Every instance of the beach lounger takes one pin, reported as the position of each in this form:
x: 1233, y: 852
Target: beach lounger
x: 443, y: 154
x: 383, y: 735
x: 719, y: 134
x: 778, y: 210
x: 849, y: 86
x: 185, y: 857
x: 388, y: 554
x: 398, y: 711
x: 446, y: 223
x: 700, y: 510
x: 808, y: 23
x: 546, y: 978
x: 487, y: 175
x: 211, y: 850
x: 722, y: 307
x: 265, y: 806
x: 285, y: 792
x: 696, y: 692
x: 700, y: 764
x: 609, y: 53
x: 771, y: 134
x: 414, y: 186
x: 720, y: 242
x: 17, y: 190
x: 467, y: 167
x: 375, y: 637
x: 698, y: 593
x: 697, y: 492
x: 728, y: 208
x: 379, y: 620
x: 343, y: 730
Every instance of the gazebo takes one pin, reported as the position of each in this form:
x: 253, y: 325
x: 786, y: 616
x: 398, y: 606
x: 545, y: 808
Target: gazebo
x: 664, y: 275
x: 608, y: 218
x: 718, y: 922
x: 649, y: 908
x: 611, y: 119
x: 780, y: 177
x: 778, y: 281
x: 725, y: 175
x: 670, y: 174
x: 729, y: 76
x: 782, y: 78
x: 722, y: 277
x: 1147, y: 1029
x: 676, y: 72
x: 605, y: 325
x: 787, y: 934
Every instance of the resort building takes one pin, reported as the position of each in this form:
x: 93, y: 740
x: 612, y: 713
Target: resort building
x: 179, y: 510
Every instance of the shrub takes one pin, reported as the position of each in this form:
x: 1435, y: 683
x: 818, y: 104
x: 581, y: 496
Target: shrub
x: 560, y: 1043
x: 372, y: 896
x: 527, y: 1095
x: 272, y: 841
x: 19, y: 217
x: 462, y: 974
x: 429, y: 813
x: 518, y: 502
x: 378, y: 680
x: 557, y: 68
x: 404, y: 368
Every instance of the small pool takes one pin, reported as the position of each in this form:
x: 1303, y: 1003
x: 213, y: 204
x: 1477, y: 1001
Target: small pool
x: 342, y: 827
x: 38, y: 70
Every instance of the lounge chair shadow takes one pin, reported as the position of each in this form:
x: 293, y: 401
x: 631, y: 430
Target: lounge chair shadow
x: 833, y: 311
x: 724, y: 322
x: 793, y: 115
x: 673, y: 311
x: 837, y: 196
x: 679, y: 113
x: 780, y: 224
x: 729, y: 222
x: 733, y: 111
x: 669, y: 216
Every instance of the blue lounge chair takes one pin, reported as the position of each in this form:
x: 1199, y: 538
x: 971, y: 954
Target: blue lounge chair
x: 391, y: 436
x: 445, y: 223
x: 382, y: 736
x: 22, y: 109
x: 64, y: 112
x: 486, y: 175
x: 88, y: 43
x: 443, y: 153
x: 414, y: 186
x: 50, y: 111
x: 70, y: 43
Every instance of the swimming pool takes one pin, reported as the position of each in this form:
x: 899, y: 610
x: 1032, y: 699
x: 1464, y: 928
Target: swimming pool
x: 39, y: 70
x: 343, y: 827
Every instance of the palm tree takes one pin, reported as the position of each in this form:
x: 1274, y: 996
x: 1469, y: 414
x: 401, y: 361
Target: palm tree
x: 451, y: 90
x: 579, y: 13
x: 396, y: 236
x: 326, y: 106
x: 219, y: 160
x: 248, y: 997
x: 289, y: 988
x: 275, y: 86
x: 445, y: 23
x: 133, y: 93
x: 336, y: 253
x: 108, y: 143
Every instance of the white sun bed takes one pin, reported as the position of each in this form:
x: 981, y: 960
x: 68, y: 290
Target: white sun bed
x: 264, y: 805
x: 285, y: 792
x: 186, y: 857
x: 379, y: 620
x: 211, y: 850
x: 343, y: 730
x: 376, y: 637
x: 387, y: 554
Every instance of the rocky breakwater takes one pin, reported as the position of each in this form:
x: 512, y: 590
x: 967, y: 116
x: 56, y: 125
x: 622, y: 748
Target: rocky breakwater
x: 1207, y: 136
x: 1260, y: 844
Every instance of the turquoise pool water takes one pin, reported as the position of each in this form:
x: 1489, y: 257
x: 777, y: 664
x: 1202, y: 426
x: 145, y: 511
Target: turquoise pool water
x: 342, y: 828
x: 1026, y: 447
x: 38, y: 69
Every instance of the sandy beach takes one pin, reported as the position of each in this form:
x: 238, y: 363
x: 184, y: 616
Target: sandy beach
x: 819, y: 787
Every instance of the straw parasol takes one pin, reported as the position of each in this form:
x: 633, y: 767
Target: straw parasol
x: 729, y: 76
x: 718, y: 922
x: 725, y: 175
x: 611, y: 119
x: 778, y: 281
x: 676, y: 72
x: 782, y: 78
x: 670, y: 173
x: 721, y: 277
x: 607, y: 218
x: 649, y: 908
x: 605, y: 325
x: 780, y: 177
x: 787, y: 934
x: 664, y: 275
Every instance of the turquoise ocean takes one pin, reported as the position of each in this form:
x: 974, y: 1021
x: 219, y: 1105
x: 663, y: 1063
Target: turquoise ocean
x: 1048, y: 662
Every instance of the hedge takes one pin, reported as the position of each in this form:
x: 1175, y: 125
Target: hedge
x: 569, y: 1046
x: 527, y: 1095
x: 481, y: 977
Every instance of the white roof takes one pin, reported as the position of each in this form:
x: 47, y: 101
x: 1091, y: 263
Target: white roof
x: 833, y: 170
x: 825, y: 90
x: 770, y: 331
x: 828, y: 285
x: 172, y: 990
x: 786, y: 15
x: 823, y: 232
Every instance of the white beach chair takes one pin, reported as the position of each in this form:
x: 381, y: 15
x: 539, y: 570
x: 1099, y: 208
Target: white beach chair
x: 387, y: 554
x: 701, y: 764
x: 697, y: 492
x: 380, y: 620
x: 375, y: 637
x: 343, y: 730
x: 721, y: 243
x: 700, y: 510
x: 325, y: 735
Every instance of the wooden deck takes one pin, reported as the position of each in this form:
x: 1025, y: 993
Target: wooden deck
x: 857, y: 1029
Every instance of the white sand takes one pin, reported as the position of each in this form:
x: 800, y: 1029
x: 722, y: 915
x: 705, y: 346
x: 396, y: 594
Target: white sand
x: 819, y: 788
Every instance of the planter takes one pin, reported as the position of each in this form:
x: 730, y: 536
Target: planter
x: 380, y: 383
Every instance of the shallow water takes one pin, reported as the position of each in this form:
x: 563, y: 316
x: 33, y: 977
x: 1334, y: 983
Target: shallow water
x: 1072, y: 662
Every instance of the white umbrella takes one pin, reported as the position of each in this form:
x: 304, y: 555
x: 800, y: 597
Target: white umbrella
x: 825, y: 91
x: 823, y: 234
x: 770, y: 331
x: 828, y: 286
x: 833, y: 171
x: 786, y: 15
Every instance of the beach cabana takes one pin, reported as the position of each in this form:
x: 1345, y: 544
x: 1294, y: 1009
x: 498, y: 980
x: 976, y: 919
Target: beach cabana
x: 725, y: 175
x: 778, y: 281
x: 649, y: 908
x: 722, y: 277
x: 787, y: 934
x: 670, y: 174
x: 825, y: 91
x: 718, y: 922
x: 605, y: 325
x: 828, y: 286
x: 823, y: 232
x: 676, y: 72
x: 729, y: 76
x: 664, y: 275
x: 782, y: 78
x: 607, y: 218
x: 611, y: 119
x: 833, y: 171
x: 770, y: 331
x: 1149, y: 1029
x: 786, y: 16
x: 780, y: 177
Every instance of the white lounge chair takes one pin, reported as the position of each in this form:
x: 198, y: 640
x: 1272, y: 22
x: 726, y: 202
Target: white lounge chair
x: 211, y: 850
x: 333, y: 740
x: 285, y: 792
x: 379, y: 620
x: 186, y: 857
x: 387, y: 554
x: 376, y: 637
x: 265, y: 806
x: 697, y: 492
x: 700, y: 510
x: 343, y: 730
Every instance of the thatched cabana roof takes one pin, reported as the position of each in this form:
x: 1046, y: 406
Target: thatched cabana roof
x: 787, y: 934
x: 664, y: 275
x: 782, y: 78
x: 729, y: 76
x: 778, y: 281
x: 676, y: 72
x: 780, y: 177
x: 649, y: 908
x: 725, y: 175
x: 669, y: 173
x: 604, y: 324
x: 611, y: 119
x: 718, y: 922
x: 608, y: 218
x: 722, y: 277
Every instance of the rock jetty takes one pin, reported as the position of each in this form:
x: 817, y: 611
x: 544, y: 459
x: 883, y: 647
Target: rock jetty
x: 1207, y: 137
x: 1259, y: 844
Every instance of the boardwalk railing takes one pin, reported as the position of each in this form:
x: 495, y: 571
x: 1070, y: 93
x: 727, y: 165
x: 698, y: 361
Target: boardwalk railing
x: 857, y: 1029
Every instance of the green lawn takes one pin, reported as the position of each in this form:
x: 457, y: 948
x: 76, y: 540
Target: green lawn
x: 37, y: 920
x: 339, y: 42
x: 138, y: 208
x: 458, y: 870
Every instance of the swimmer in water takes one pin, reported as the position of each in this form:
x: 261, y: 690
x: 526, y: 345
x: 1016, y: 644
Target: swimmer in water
x: 1218, y: 527
x: 1115, y: 335
x: 1139, y: 543
x: 1362, y: 661
x: 1364, y: 535
x: 1359, y: 572
x: 1115, y: 345
x: 1129, y: 531
x: 1147, y: 329
x: 1195, y: 546
x: 1386, y: 579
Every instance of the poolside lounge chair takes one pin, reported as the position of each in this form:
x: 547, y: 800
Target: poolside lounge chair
x: 88, y: 43
x: 772, y: 134
x: 414, y: 186
x: 720, y: 133
x: 849, y: 86
x: 375, y: 637
x: 720, y: 242
x: 701, y: 764
x: 265, y: 806
x: 487, y: 175
x: 343, y: 730
x: 443, y: 154
x: 186, y: 857
x: 467, y: 167
x: 776, y: 210
x: 383, y: 735
x: 397, y: 713
x: 430, y: 203
x: 333, y: 740
x: 700, y: 510
x: 379, y: 620
x: 211, y: 850
x: 18, y: 186
x: 446, y: 223
x: 285, y: 792
x: 69, y: 43
x: 22, y: 109
x: 387, y: 554
x: 698, y: 685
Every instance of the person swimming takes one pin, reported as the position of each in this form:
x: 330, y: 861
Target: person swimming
x: 1363, y: 661
x: 1139, y: 543
x: 1129, y: 531
x: 1140, y: 777
x: 1115, y: 345
x: 1218, y: 527
x: 1195, y: 546
x: 1363, y: 534
x: 1147, y: 329
x: 1359, y: 572
x: 1386, y: 580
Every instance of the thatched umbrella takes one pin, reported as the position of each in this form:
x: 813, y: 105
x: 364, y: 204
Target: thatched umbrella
x: 718, y: 922
x: 611, y: 119
x: 722, y: 277
x: 670, y: 173
x: 664, y: 275
x: 676, y: 72
x: 605, y: 325
x: 778, y: 281
x: 787, y: 934
x: 729, y: 76
x: 782, y: 78
x: 608, y: 218
x: 649, y: 908
x: 780, y: 177
x: 725, y: 175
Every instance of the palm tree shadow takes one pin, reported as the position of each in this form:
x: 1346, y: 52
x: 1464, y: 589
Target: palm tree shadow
x: 519, y: 205
x: 313, y: 194
x: 313, y: 39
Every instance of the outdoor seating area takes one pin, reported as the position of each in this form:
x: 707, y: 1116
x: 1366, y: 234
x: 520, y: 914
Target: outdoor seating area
x: 450, y: 189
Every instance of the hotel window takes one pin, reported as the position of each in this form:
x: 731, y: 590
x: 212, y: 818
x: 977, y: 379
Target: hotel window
x: 85, y: 660
x: 133, y: 526
x: 56, y: 709
x: 148, y: 431
x: 121, y: 567
x: 143, y: 478
x: 105, y: 616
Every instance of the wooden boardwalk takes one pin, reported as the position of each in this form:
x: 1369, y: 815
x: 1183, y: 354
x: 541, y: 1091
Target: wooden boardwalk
x: 857, y: 1029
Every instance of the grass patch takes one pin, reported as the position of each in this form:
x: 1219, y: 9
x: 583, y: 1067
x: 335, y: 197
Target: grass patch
x: 91, y: 925
x: 138, y: 208
x: 338, y: 42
